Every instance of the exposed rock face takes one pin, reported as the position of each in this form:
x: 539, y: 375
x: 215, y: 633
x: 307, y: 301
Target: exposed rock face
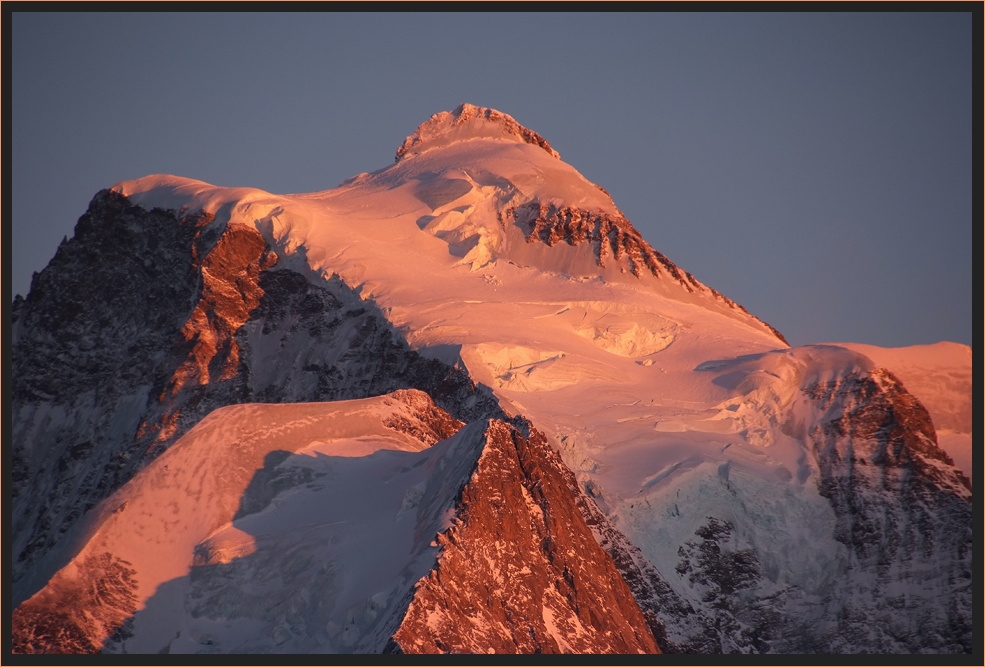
x: 904, y: 514
x: 308, y: 342
x: 230, y: 291
x: 429, y: 424
x: 895, y: 430
x: 77, y: 615
x: 91, y: 341
x: 726, y: 577
x: 611, y: 238
x: 145, y: 322
x: 522, y: 565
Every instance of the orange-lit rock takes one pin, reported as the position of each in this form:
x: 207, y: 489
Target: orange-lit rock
x: 520, y: 571
x: 230, y: 290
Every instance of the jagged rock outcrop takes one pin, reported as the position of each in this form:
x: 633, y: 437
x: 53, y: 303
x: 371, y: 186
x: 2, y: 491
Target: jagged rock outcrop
x: 92, y: 336
x: 429, y: 424
x: 610, y: 237
x: 901, y: 583
x: 904, y: 513
x: 782, y: 501
x: 521, y: 564
x: 77, y: 616
x: 146, y: 321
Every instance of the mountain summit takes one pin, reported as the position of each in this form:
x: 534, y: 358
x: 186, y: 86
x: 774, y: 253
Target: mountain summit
x: 466, y: 122
x: 457, y: 405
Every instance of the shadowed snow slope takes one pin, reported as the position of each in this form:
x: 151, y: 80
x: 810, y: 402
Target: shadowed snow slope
x: 251, y: 506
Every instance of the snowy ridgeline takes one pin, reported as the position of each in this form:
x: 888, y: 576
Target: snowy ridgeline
x: 754, y: 497
x: 356, y: 526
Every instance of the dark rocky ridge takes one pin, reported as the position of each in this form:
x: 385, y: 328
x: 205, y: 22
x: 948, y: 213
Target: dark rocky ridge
x: 90, y: 342
x: 144, y: 322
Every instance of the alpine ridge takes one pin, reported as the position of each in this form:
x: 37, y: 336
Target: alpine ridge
x: 460, y: 404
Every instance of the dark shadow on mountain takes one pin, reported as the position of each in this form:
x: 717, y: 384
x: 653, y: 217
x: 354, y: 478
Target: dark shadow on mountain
x: 348, y: 350
x: 463, y: 248
x: 438, y: 190
x: 450, y: 354
x: 718, y: 365
x: 287, y: 591
x: 730, y: 380
x: 270, y: 480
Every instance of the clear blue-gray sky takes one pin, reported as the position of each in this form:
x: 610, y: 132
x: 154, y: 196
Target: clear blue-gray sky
x: 816, y: 168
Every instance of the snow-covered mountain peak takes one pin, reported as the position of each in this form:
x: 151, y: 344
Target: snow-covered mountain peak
x: 467, y: 122
x: 473, y: 192
x: 387, y: 416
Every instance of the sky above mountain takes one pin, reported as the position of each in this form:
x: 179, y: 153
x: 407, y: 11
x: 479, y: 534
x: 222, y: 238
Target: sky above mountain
x: 816, y: 168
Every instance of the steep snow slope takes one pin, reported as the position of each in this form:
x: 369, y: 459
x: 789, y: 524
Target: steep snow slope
x: 755, y: 492
x: 488, y: 208
x: 200, y: 507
